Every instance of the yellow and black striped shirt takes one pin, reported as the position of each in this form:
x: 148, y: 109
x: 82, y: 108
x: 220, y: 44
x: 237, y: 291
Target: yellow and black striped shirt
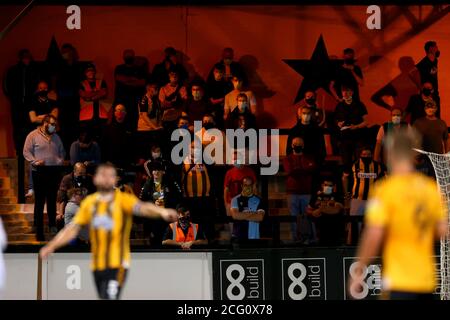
x: 110, y: 225
x: 195, y: 180
x: 364, y: 176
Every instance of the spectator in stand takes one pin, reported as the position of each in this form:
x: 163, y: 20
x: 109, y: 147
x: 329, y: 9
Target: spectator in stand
x: 231, y: 68
x: 163, y: 192
x: 300, y: 169
x: 41, y: 105
x: 197, y: 105
x: 94, y: 112
x: 161, y: 70
x: 328, y: 215
x: 311, y: 134
x: 184, y: 233
x: 351, y: 119
x: 85, y: 150
x: 217, y: 89
x: 317, y: 113
x: 247, y: 212
x: 416, y: 104
x: 68, y: 81
x: 434, y: 131
x: 231, y: 97
x: 75, y: 196
x: 241, y: 110
x: 396, y: 123
x: 116, y: 139
x: 44, y: 150
x: 428, y: 66
x: 349, y: 74
x: 130, y: 86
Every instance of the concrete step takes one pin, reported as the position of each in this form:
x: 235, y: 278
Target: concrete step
x: 8, y: 200
x: 6, y: 192
x: 10, y: 208
x: 17, y: 223
x: 5, y: 182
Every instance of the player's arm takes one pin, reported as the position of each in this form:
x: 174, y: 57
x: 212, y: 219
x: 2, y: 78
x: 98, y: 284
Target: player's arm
x: 151, y: 211
x: 63, y: 237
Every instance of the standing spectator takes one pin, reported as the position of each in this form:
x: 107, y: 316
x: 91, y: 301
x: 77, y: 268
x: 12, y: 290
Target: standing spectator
x: 68, y: 82
x: 351, y: 119
x: 183, y: 233
x: 130, y: 86
x: 428, y: 66
x: 242, y: 109
x: 231, y: 68
x: 349, y: 74
x: 116, y: 139
x: 217, y: 89
x: 433, y: 130
x: 163, y: 192
x: 197, y: 105
x: 396, y: 123
x: 311, y: 134
x: 231, y: 97
x: 44, y: 150
x: 247, y: 212
x: 41, y: 105
x: 300, y: 169
x: 161, y: 70
x: 93, y: 110
x: 416, y: 104
x: 85, y: 150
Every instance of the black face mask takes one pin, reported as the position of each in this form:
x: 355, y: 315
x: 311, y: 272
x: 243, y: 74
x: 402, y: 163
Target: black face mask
x: 366, y: 160
x: 129, y: 60
x: 298, y: 149
x: 208, y: 125
x: 42, y: 93
x: 80, y: 179
x: 437, y: 54
x: 349, y: 61
x: 310, y: 101
x: 426, y: 92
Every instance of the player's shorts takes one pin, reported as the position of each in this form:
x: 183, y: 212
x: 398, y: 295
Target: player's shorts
x: 402, y: 295
x: 109, y: 283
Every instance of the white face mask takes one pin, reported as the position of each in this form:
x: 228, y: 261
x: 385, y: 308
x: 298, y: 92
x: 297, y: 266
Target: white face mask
x: 51, y: 129
x: 348, y: 100
x: 197, y: 95
x: 218, y: 76
x: 306, y: 118
x: 327, y: 190
x: 396, y: 119
x: 242, y: 106
x: 237, y: 85
x: 156, y: 155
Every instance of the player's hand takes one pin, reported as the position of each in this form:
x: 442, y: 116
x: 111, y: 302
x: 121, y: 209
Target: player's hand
x: 46, y: 251
x: 169, y: 215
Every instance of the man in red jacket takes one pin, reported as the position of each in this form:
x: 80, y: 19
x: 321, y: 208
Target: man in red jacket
x: 300, y: 169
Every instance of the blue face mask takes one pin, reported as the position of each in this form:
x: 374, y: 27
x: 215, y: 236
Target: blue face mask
x: 51, y: 129
x: 185, y: 126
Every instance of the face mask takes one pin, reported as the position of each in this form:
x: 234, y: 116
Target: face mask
x: 51, y: 129
x: 128, y: 60
x: 80, y: 179
x: 173, y: 79
x: 236, y: 85
x: 184, y: 222
x: 396, y: 119
x: 227, y: 61
x: 66, y: 56
x: 196, y: 95
x: 328, y: 190
x: 298, y: 149
x: 156, y: 155
x: 426, y: 92
x: 437, y: 54
x: 218, y: 76
x: 247, y: 191
x: 242, y: 106
x: 185, y: 126
x: 42, y: 93
x: 349, y: 61
x: 348, y: 100
x: 310, y: 101
x: 366, y: 160
x: 120, y: 116
x: 208, y: 125
x: 306, y: 118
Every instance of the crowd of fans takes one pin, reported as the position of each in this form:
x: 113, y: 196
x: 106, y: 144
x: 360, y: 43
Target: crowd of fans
x: 60, y: 115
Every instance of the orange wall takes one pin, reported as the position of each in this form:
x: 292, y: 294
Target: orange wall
x: 261, y: 37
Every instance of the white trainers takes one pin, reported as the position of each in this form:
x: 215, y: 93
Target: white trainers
x: 29, y: 194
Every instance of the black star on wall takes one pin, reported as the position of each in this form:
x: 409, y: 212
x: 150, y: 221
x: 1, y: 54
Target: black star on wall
x: 317, y: 72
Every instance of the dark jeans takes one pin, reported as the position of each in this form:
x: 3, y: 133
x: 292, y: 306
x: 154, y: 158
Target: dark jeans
x: 401, y: 295
x: 46, y: 182
x: 109, y: 283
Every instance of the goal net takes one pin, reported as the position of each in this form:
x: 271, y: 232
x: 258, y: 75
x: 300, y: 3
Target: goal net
x: 441, y: 165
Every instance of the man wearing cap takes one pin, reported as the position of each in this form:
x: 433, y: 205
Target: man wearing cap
x: 93, y: 110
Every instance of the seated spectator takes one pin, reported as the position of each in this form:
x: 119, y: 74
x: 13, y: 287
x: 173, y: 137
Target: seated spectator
x: 41, y: 105
x: 163, y: 192
x: 300, y: 168
x: 247, y: 212
x: 241, y: 110
x: 416, y: 104
x: 317, y: 113
x: 351, y: 120
x: 94, y: 112
x: 75, y: 196
x: 311, y: 134
x: 116, y: 140
x: 231, y: 68
x: 161, y: 70
x: 396, y: 123
x: 197, y: 105
x: 217, y: 89
x: 172, y: 97
x: 433, y: 130
x: 184, y: 233
x: 85, y: 150
x: 231, y: 97
x: 328, y: 215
